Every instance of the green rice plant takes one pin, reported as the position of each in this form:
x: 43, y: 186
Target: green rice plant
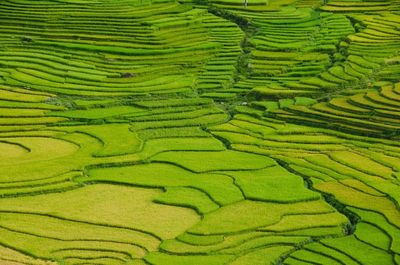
x: 269, y: 254
x: 48, y: 156
x: 82, y: 103
x: 362, y: 101
x: 268, y: 105
x: 362, y: 163
x: 344, y: 104
x: 361, y: 252
x: 331, y: 231
x: 50, y: 246
x: 328, y: 77
x: 110, y: 206
x: 376, y: 236
x: 219, y: 187
x: 170, y: 259
x: 295, y: 261
x: 334, y: 8
x: 20, y: 113
x: 100, y: 113
x: 312, y: 174
x: 273, y: 184
x: 22, y: 95
x: 248, y: 215
x: 153, y: 147
x: 363, y: 201
x: 175, y: 114
x: 290, y: 222
x: 188, y: 197
x: 263, y: 242
x: 389, y: 93
x: 22, y: 121
x: 244, y: 243
x: 332, y: 253
x: 379, y: 222
x: 312, y: 257
x: 327, y: 162
x: 284, y: 103
x: 12, y: 256
x: 212, y: 161
x: 28, y: 105
x: 200, y: 240
x: 135, y: 132
x: 160, y: 133
x: 377, y: 98
x: 339, y: 72
x: 361, y: 186
x: 203, y: 244
x: 63, y: 230
x: 304, y: 101
x: 174, y: 102
x: 184, y: 123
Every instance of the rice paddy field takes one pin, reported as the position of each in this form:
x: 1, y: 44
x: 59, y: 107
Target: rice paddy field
x: 199, y: 132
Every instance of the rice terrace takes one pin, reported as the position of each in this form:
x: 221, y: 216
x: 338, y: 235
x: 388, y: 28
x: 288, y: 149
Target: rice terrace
x: 200, y: 132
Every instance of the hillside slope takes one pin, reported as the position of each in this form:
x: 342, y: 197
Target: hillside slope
x: 199, y: 132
